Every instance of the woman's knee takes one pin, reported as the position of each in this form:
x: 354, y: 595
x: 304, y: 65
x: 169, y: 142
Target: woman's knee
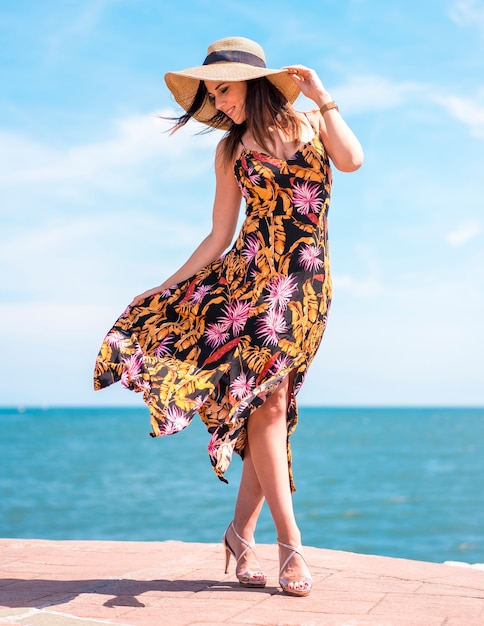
x: 275, y: 406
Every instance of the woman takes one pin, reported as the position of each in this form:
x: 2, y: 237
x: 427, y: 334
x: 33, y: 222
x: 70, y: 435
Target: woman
x: 231, y: 337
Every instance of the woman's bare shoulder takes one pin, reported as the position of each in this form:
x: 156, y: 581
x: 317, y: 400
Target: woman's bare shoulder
x: 313, y: 116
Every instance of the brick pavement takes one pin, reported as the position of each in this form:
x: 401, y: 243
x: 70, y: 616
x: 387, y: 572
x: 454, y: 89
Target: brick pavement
x: 87, y: 583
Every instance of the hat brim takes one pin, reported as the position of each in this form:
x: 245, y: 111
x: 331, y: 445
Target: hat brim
x: 184, y: 84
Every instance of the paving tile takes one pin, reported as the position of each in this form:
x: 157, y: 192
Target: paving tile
x: 458, y: 577
x: 436, y: 589
x: 23, y: 599
x: 91, y: 606
x: 11, y: 612
x: 153, y: 587
x: 334, y: 602
x: 51, y: 619
x: 366, y: 582
x: 267, y: 617
x: 174, y: 612
x: 222, y: 591
x: 458, y: 621
x: 445, y: 606
x: 74, y: 583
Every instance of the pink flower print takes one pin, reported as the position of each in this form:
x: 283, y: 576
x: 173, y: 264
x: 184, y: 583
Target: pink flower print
x: 306, y: 197
x: 236, y: 314
x: 271, y: 325
x: 282, y: 363
x: 199, y: 401
x: 143, y: 385
x: 243, y: 190
x: 298, y: 386
x: 240, y: 387
x: 131, y: 370
x: 252, y: 175
x: 164, y: 347
x: 176, y: 420
x: 200, y: 293
x: 115, y: 339
x: 213, y: 444
x: 216, y: 335
x: 309, y: 257
x: 251, y: 248
x: 280, y: 291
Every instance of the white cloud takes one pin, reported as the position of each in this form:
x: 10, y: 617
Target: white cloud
x: 138, y: 142
x: 364, y: 94
x: 371, y: 92
x: 137, y: 139
x: 63, y: 339
x: 464, y: 232
x: 468, y: 13
x: 102, y: 218
x: 469, y: 111
x: 368, y: 93
x: 368, y: 283
x: 409, y: 341
x: 77, y: 259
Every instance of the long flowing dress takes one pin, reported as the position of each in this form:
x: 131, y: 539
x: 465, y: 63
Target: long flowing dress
x: 221, y: 341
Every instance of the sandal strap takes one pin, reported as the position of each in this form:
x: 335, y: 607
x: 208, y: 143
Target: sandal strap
x: 247, y: 544
x: 294, y: 550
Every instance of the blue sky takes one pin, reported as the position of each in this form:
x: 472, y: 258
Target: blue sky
x: 98, y: 203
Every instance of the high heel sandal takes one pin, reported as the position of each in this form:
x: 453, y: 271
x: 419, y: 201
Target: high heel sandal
x: 301, y: 587
x: 247, y: 579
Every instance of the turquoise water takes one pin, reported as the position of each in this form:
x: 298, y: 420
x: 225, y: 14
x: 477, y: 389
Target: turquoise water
x: 396, y: 482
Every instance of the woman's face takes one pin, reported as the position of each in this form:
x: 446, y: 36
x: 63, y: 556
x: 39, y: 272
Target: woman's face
x: 228, y: 97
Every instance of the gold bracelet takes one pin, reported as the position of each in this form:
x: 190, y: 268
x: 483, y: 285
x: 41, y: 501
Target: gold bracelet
x: 328, y: 106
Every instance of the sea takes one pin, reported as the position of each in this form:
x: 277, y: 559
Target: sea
x: 399, y: 482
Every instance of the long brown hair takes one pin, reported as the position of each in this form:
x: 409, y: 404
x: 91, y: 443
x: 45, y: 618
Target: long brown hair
x: 265, y: 106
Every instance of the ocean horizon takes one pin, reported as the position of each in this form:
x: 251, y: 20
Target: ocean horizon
x: 393, y: 481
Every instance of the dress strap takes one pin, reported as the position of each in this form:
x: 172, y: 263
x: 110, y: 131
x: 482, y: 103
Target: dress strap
x: 310, y: 122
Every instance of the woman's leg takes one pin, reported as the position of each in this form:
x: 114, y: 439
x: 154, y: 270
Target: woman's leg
x: 266, y: 475
x: 250, y: 500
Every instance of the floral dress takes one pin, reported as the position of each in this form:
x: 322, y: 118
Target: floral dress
x: 220, y: 342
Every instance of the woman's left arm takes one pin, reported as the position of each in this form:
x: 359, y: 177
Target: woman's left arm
x: 339, y: 140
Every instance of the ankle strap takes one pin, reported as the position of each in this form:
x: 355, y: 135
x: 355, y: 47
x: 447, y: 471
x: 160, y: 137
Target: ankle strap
x: 249, y: 544
x: 294, y: 550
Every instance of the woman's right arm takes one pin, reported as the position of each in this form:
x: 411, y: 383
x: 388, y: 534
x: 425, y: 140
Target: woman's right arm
x: 224, y: 222
x: 339, y: 140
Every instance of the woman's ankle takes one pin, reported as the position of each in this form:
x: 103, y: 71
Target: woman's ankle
x: 290, y: 538
x: 245, y: 531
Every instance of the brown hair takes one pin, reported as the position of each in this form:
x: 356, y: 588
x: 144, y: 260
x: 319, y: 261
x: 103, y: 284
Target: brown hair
x: 265, y: 106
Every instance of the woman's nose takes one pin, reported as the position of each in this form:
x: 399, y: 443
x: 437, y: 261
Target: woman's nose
x: 218, y: 101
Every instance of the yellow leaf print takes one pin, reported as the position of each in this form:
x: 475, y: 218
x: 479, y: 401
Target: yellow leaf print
x: 189, y: 339
x: 256, y: 357
x: 311, y: 304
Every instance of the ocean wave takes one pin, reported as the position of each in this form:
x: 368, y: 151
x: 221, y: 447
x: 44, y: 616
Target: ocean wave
x: 479, y: 566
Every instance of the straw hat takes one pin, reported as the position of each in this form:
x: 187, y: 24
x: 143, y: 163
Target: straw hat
x: 229, y: 59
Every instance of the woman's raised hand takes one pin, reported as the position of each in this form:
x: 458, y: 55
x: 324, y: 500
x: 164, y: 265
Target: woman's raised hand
x: 309, y: 83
